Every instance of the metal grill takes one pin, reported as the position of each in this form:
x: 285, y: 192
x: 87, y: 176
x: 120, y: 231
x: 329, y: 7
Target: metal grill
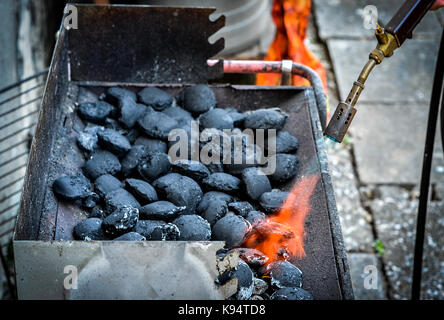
x: 19, y: 107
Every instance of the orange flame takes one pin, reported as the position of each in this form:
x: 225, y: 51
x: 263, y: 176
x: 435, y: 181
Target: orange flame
x: 281, y: 236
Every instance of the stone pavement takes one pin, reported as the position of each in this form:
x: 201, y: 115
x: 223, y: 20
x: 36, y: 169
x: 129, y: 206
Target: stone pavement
x: 376, y: 171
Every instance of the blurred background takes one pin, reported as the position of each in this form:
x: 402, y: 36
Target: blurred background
x: 375, y: 171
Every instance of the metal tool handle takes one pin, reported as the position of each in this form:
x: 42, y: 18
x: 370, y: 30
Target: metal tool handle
x: 406, y: 19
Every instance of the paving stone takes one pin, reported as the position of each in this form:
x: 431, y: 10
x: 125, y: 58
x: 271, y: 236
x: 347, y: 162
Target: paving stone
x: 388, y: 141
x: 355, y: 220
x: 367, y: 277
x: 395, y: 220
x: 344, y: 18
x: 406, y: 76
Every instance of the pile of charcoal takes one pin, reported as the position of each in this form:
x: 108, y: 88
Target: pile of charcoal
x: 134, y: 191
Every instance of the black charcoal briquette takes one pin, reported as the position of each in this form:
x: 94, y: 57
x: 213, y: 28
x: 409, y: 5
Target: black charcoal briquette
x: 105, y: 184
x: 142, y: 190
x: 210, y: 197
x: 87, y: 139
x: 255, y: 216
x: 119, y: 198
x: 260, y: 286
x: 153, y: 145
x: 285, y: 142
x: 283, y: 274
x: 245, y: 284
x: 216, y: 118
x: 256, y: 182
x: 160, y: 210
x: 95, y: 112
x: 89, y: 229
x: 154, y: 165
x: 91, y: 200
x: 97, y: 212
x: 193, y: 228
x: 130, y: 112
x: 130, y: 236
x: 72, y: 187
x: 231, y: 229
x: 133, y: 158
x: 182, y: 116
x: 157, y: 124
x: 215, y: 167
x: 180, y: 190
x: 198, y: 99
x: 216, y: 209
x: 155, y: 98
x: 166, y: 232
x: 237, y: 117
x: 241, y: 208
x: 121, y: 221
x: 286, y: 167
x: 223, y: 182
x: 115, y: 94
x: 146, y: 227
x: 273, y: 118
x: 273, y: 200
x: 291, y: 294
x: 193, y: 169
x: 114, y: 142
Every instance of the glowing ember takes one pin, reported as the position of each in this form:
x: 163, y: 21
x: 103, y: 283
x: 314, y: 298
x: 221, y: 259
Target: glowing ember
x: 281, y: 236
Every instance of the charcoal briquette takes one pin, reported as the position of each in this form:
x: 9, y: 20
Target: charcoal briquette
x: 130, y: 112
x: 283, y: 274
x: 193, y: 228
x: 223, y: 182
x: 180, y: 190
x: 121, y: 221
x: 160, y: 210
x: 255, y: 216
x: 72, y: 187
x: 198, y: 99
x: 291, y: 294
x: 259, y: 286
x: 87, y: 139
x: 146, y: 227
x: 256, y: 182
x: 285, y: 142
x: 273, y: 118
x: 157, y: 124
x: 237, y: 117
x: 130, y: 236
x: 155, y: 98
x: 105, y: 184
x: 132, y: 159
x: 91, y: 200
x: 273, y: 200
x: 114, y: 142
x: 245, y: 284
x: 97, y: 212
x: 94, y: 112
x: 193, y: 169
x: 120, y: 198
x: 142, y: 190
x: 166, y: 232
x: 153, y: 145
x: 241, y: 208
x: 115, y: 94
x: 154, y: 165
x: 231, y: 229
x: 286, y: 167
x: 216, y: 209
x: 89, y: 229
x: 216, y: 118
x: 210, y: 197
x: 215, y: 167
x: 182, y: 116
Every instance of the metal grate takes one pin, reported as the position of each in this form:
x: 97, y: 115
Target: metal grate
x: 19, y: 106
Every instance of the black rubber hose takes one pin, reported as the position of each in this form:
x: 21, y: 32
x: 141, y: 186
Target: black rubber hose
x: 435, y: 102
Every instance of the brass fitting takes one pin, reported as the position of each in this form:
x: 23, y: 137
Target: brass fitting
x: 387, y: 44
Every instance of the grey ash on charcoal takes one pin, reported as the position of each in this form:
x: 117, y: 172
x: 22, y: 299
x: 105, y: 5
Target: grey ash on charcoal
x: 134, y: 191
